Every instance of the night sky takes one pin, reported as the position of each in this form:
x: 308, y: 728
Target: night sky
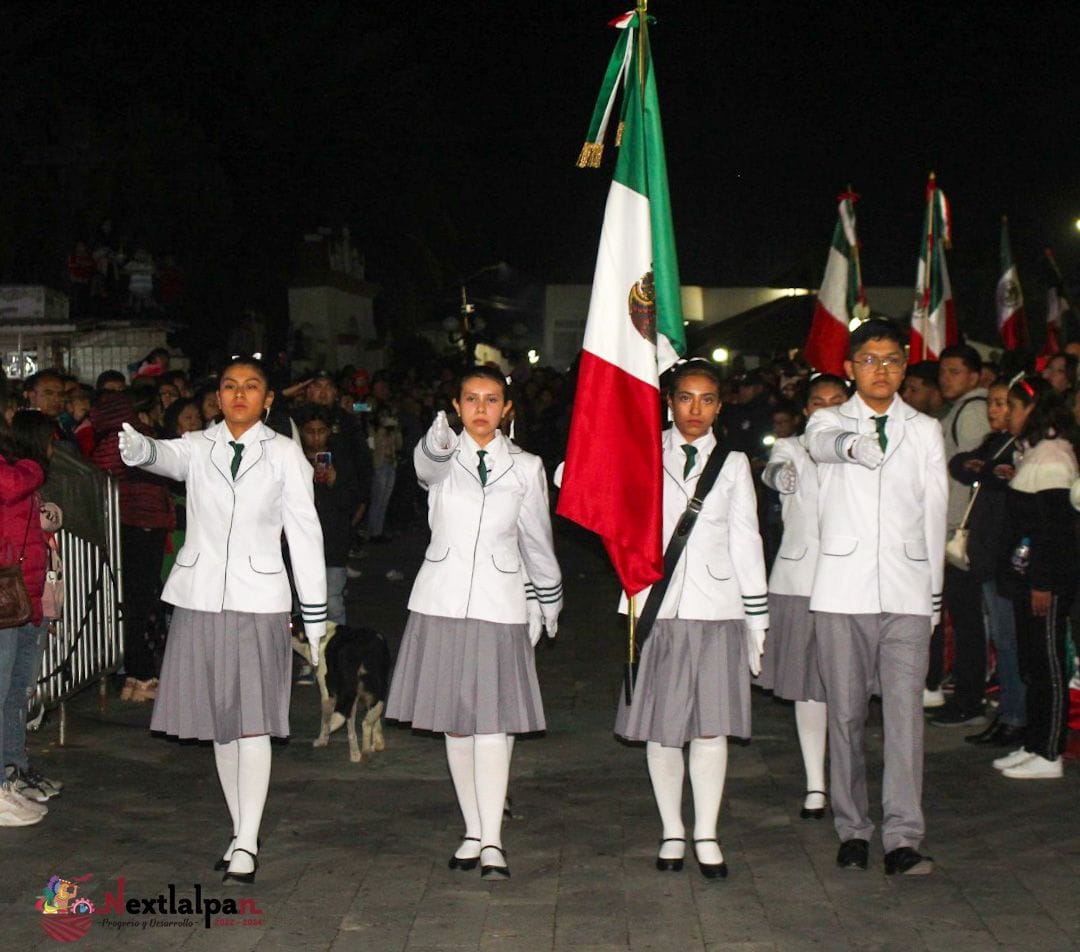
x: 446, y: 134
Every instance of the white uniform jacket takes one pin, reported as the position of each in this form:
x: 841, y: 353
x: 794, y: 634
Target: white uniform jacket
x: 721, y: 573
x: 483, y: 535
x: 793, y: 571
x: 231, y: 558
x: 882, y: 530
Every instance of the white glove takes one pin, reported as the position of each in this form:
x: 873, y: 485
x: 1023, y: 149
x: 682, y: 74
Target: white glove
x: 785, y: 477
x: 441, y: 436
x: 134, y: 447
x: 535, y: 621
x: 866, y: 451
x: 755, y: 646
x: 552, y: 625
x: 551, y: 617
x: 314, y: 631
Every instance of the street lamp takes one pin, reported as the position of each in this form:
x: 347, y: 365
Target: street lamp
x: 721, y: 355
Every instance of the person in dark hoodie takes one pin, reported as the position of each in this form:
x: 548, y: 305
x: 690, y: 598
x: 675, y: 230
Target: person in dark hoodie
x: 147, y: 514
x: 987, y: 541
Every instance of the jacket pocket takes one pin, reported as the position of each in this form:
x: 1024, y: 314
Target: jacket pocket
x: 915, y: 549
x: 506, y: 562
x: 266, y: 563
x: 436, y: 552
x: 186, y: 557
x: 839, y: 545
x: 793, y: 551
x: 721, y: 571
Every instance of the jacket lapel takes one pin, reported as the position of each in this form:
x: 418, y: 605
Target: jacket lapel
x: 253, y: 451
x: 220, y: 451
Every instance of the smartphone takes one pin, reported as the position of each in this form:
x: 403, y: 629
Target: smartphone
x: 324, y: 459
x: 361, y: 407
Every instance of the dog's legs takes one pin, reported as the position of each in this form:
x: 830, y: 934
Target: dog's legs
x: 355, y: 754
x: 326, y: 705
x: 373, y: 735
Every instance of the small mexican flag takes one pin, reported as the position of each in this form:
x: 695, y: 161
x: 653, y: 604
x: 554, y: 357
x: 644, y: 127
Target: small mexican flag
x: 612, y: 477
x: 1011, y: 320
x: 1057, y: 305
x: 933, y: 319
x: 841, y: 296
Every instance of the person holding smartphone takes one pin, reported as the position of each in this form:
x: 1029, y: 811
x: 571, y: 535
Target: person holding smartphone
x: 337, y: 496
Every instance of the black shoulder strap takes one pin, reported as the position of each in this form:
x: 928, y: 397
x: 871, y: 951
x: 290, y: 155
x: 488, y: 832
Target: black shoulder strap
x: 678, y: 541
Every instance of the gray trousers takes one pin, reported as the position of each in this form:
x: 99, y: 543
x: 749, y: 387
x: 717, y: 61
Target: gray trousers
x: 857, y: 653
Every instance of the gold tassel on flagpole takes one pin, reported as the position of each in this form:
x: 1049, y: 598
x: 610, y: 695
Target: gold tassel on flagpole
x: 590, y: 155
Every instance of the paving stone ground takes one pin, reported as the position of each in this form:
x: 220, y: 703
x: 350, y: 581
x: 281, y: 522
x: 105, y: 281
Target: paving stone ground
x: 354, y: 857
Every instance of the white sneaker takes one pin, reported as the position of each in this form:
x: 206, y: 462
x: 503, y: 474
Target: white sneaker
x: 1036, y: 768
x: 1014, y: 759
x: 932, y: 699
x: 18, y: 811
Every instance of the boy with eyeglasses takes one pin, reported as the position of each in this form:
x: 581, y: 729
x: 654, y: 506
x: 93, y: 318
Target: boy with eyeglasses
x: 877, y: 590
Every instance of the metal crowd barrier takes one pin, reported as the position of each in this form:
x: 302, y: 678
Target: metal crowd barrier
x: 86, y: 644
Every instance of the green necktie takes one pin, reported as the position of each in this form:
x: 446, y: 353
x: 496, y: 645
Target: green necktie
x: 883, y: 440
x: 691, y: 452
x: 481, y: 467
x: 238, y: 451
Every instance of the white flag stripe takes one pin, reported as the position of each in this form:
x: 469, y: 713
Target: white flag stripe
x: 833, y: 293
x: 624, y: 258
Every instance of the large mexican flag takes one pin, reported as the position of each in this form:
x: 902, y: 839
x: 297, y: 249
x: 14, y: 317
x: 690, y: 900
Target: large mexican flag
x: 840, y: 297
x: 933, y: 319
x: 612, y: 477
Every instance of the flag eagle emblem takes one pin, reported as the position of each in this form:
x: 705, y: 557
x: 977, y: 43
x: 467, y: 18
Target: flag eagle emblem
x: 642, y: 306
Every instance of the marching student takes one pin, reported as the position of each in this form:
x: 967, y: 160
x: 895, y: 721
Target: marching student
x: 693, y: 684
x: 1040, y: 571
x: 789, y: 666
x: 882, y: 500
x: 466, y: 666
x: 227, y: 671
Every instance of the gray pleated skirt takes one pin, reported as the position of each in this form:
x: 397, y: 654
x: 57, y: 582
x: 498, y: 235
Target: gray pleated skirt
x: 789, y: 666
x: 225, y: 675
x: 693, y: 681
x: 465, y: 676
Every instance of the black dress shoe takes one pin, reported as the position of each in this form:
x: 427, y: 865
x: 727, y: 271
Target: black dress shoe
x: 223, y: 864
x: 812, y: 813
x: 853, y: 854
x: 908, y: 862
x: 490, y: 870
x: 465, y: 863
x: 246, y: 878
x: 670, y: 865
x: 711, y: 870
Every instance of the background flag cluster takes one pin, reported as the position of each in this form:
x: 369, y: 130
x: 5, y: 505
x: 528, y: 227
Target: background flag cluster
x: 933, y: 319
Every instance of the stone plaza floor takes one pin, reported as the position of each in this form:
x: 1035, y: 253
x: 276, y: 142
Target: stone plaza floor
x: 353, y: 857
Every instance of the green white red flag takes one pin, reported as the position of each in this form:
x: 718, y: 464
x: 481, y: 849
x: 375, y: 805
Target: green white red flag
x: 1011, y: 319
x: 933, y: 319
x: 1057, y: 305
x: 841, y: 296
x: 612, y: 476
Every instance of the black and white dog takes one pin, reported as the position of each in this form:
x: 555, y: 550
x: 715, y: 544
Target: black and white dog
x: 354, y: 672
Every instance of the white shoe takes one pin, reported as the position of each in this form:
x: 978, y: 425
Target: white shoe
x: 18, y: 811
x: 931, y: 699
x: 1036, y: 768
x: 1014, y: 759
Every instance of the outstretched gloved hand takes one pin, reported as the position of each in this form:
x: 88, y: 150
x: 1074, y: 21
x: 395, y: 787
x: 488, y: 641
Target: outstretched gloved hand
x: 866, y: 451
x: 441, y: 435
x: 786, y: 478
x: 134, y: 447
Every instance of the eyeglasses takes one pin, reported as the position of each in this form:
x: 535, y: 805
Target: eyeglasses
x: 892, y: 364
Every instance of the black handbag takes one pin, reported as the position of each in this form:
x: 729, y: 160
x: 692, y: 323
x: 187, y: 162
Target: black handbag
x: 15, y: 605
x: 672, y: 554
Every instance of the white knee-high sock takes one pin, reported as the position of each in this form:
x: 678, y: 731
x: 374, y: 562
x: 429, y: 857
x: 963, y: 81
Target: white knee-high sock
x: 227, y: 762
x: 708, y: 769
x: 666, y: 772
x: 492, y: 772
x: 460, y: 760
x: 812, y: 724
x: 254, y: 785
